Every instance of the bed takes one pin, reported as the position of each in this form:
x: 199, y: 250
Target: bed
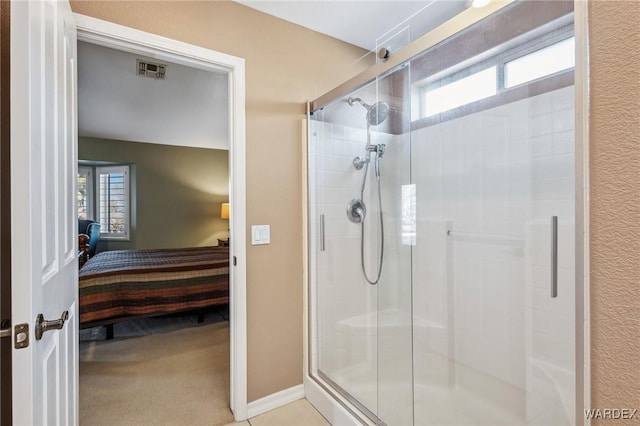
x: 120, y: 285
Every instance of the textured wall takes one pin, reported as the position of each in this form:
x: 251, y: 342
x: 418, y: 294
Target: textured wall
x: 285, y: 66
x: 186, y: 184
x: 614, y: 36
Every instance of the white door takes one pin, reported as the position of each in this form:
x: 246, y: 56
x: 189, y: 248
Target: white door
x: 43, y: 216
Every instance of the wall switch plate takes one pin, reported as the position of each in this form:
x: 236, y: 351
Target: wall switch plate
x: 260, y: 234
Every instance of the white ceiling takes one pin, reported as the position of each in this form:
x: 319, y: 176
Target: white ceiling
x: 189, y: 108
x: 363, y: 23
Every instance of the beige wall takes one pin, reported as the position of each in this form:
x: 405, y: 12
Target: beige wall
x: 614, y: 37
x: 285, y: 66
x: 186, y: 184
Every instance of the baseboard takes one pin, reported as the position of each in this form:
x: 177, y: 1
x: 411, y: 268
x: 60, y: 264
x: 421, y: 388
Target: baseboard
x: 275, y: 400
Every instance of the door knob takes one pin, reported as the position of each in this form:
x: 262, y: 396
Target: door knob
x: 43, y: 325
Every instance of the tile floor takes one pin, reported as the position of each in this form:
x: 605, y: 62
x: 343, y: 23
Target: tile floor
x: 298, y: 413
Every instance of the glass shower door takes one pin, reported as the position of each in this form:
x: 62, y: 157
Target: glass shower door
x: 493, y: 266
x: 359, y: 162
x: 442, y: 206
x: 345, y: 305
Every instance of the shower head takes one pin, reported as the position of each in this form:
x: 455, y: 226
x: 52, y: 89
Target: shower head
x: 376, y: 113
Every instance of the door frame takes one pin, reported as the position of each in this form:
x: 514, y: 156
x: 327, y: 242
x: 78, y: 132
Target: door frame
x: 127, y: 39
x: 5, y: 212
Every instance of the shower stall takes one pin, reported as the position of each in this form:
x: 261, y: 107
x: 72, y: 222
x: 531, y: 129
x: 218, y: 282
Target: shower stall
x: 442, y: 235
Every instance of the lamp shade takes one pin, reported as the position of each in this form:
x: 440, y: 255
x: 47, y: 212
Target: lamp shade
x: 224, y: 211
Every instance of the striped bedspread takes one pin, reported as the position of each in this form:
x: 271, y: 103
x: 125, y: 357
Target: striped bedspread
x: 123, y: 283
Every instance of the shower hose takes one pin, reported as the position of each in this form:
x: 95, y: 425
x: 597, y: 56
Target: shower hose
x: 381, y: 258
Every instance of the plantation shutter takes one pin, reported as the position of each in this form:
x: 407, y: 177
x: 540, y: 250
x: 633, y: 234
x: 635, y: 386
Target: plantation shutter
x: 113, y: 201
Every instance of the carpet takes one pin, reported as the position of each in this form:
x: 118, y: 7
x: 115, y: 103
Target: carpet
x: 174, y: 377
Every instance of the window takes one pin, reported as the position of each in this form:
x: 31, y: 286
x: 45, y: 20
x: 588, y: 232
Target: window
x: 112, y: 201
x: 540, y: 58
x: 103, y: 195
x: 541, y: 63
x: 85, y: 192
x: 469, y: 89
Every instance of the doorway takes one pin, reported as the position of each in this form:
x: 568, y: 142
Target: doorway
x: 106, y: 34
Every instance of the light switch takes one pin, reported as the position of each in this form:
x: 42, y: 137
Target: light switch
x: 260, y: 234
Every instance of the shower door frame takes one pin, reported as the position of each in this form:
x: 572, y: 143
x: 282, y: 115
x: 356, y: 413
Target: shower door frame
x: 335, y: 407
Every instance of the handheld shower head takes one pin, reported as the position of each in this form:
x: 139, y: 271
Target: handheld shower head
x: 376, y: 113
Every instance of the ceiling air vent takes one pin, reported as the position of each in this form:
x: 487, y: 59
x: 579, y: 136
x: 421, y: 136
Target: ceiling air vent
x: 148, y: 69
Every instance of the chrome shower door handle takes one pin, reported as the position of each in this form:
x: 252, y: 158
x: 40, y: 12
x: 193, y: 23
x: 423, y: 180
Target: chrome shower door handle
x: 554, y: 256
x: 43, y: 325
x: 322, y: 241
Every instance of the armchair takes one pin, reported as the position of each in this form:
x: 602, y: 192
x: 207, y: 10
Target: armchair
x: 92, y: 229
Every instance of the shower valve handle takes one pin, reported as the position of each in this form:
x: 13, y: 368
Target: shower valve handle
x: 356, y: 210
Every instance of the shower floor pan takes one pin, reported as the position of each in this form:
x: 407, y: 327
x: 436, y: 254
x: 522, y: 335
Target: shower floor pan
x: 445, y: 391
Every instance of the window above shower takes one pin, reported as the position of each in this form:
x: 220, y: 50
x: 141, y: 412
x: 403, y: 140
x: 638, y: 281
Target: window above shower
x: 475, y: 85
x: 542, y: 63
x: 446, y: 94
